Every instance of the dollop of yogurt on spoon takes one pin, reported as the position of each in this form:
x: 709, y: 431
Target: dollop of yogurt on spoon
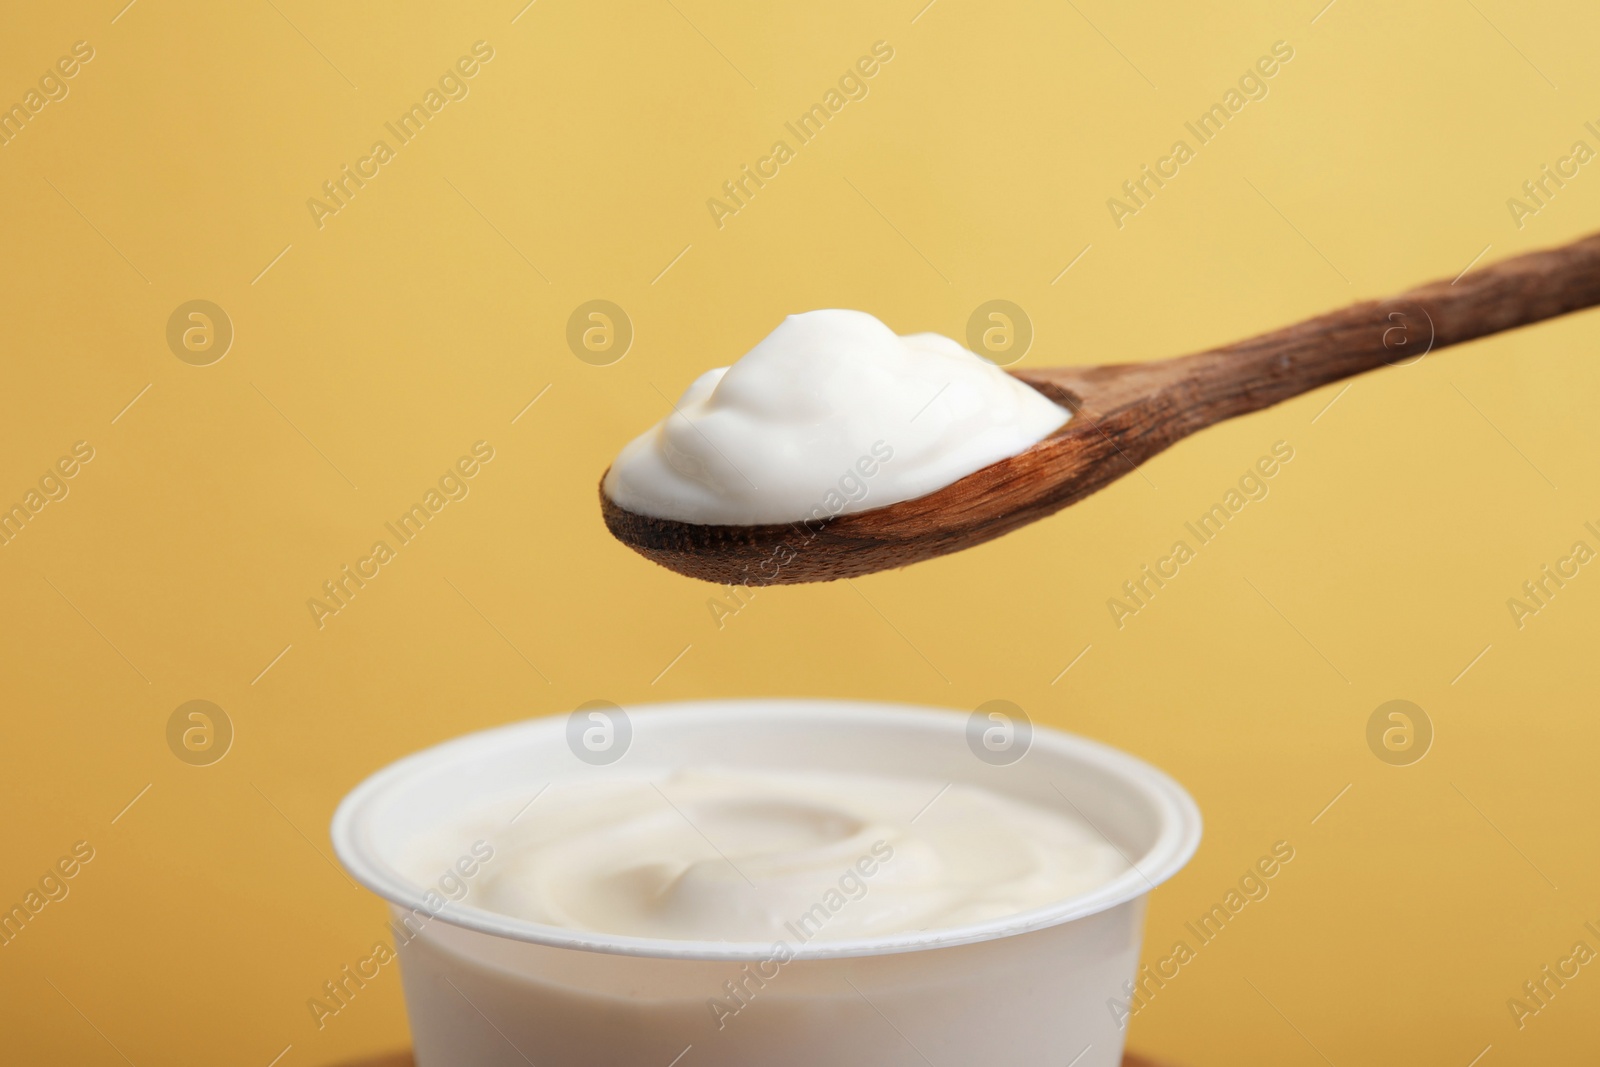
x: 831, y: 413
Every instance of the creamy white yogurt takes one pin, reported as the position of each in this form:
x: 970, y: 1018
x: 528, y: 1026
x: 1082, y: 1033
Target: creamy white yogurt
x: 716, y: 855
x: 830, y: 414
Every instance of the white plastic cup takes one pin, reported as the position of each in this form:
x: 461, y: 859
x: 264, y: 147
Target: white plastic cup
x: 1037, y: 988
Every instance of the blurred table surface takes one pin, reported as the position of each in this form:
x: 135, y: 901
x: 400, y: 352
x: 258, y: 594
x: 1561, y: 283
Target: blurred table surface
x: 403, y: 1058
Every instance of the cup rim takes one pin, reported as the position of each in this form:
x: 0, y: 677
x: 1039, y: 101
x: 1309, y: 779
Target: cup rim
x: 1177, y: 837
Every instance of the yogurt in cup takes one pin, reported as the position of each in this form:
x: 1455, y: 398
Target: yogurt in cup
x: 1039, y: 986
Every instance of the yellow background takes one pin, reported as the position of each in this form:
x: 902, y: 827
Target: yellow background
x: 415, y: 322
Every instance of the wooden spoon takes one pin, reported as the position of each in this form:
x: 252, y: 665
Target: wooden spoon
x: 1124, y: 413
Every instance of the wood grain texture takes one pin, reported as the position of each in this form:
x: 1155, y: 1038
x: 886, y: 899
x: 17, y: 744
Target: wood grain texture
x: 1124, y: 414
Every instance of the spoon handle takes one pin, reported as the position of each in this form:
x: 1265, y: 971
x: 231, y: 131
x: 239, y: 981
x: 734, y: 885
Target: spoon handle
x: 1234, y: 379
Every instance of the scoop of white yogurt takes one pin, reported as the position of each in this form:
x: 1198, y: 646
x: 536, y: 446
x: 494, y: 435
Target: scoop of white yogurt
x: 830, y: 414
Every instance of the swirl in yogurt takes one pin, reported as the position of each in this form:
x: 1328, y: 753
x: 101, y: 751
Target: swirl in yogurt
x: 718, y: 855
